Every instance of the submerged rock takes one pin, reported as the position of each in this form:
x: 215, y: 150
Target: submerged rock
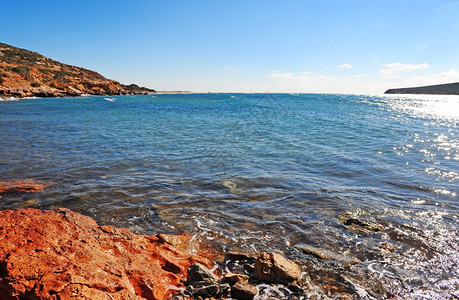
x: 21, y: 186
x: 273, y: 267
x: 355, y: 224
x: 60, y: 254
x: 318, y: 252
x: 229, y: 184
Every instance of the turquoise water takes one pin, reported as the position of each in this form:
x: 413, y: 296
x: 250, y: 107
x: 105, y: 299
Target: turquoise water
x: 259, y: 172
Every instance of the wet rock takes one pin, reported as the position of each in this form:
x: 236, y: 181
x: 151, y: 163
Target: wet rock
x: 225, y: 289
x: 59, y: 254
x: 240, y: 263
x: 249, y: 268
x: 295, y: 288
x: 316, y: 251
x: 233, y: 255
x: 356, y: 224
x: 273, y: 267
x: 21, y: 186
x: 232, y: 278
x: 207, y: 291
x: 200, y: 290
x: 244, y: 291
x: 353, y: 221
x: 388, y: 247
x: 321, y: 253
x: 199, y: 273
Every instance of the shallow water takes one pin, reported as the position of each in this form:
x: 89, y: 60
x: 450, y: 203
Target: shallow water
x: 370, y: 179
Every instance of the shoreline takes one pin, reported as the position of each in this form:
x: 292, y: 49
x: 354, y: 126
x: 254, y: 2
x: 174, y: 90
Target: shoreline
x: 12, y: 98
x: 69, y: 254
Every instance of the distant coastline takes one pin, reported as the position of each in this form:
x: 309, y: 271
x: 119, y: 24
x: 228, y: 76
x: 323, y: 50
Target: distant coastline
x: 27, y: 74
x: 439, y: 89
x: 12, y: 98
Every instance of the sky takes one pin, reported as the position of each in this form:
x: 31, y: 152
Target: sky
x: 321, y: 46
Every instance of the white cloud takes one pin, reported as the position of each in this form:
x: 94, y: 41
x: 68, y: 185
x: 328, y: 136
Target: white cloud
x: 449, y: 76
x: 297, y: 77
x: 299, y: 82
x: 390, y: 70
x: 307, y: 82
x: 282, y: 76
x: 315, y: 82
x: 446, y: 6
x: 231, y: 68
x: 345, y: 66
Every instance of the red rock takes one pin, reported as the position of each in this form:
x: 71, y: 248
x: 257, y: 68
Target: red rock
x: 21, y: 186
x: 244, y: 291
x: 273, y: 267
x: 59, y: 254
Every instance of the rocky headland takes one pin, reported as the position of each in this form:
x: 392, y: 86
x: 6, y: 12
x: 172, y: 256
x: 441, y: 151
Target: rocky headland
x: 25, y: 73
x: 439, y: 89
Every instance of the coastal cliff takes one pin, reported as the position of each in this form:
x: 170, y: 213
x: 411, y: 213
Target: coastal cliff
x: 25, y: 73
x: 439, y: 89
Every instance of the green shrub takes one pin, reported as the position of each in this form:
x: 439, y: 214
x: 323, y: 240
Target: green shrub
x: 53, y: 85
x: 22, y: 70
x: 17, y: 55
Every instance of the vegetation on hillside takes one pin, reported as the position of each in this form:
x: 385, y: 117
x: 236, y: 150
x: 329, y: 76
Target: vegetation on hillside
x: 27, y: 73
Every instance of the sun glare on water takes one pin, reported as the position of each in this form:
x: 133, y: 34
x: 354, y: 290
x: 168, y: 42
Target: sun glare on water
x: 429, y: 106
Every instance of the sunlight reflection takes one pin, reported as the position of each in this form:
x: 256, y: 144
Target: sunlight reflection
x: 436, y: 106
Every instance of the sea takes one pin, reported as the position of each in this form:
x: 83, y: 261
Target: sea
x: 361, y: 190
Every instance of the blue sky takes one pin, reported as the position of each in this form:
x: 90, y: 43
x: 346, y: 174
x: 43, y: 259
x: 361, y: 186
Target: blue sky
x: 355, y: 46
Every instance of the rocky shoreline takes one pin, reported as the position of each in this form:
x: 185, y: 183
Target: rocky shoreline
x: 49, y: 92
x: 61, y: 254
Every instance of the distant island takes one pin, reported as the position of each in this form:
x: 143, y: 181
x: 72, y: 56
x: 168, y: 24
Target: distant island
x: 25, y: 73
x: 439, y: 89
